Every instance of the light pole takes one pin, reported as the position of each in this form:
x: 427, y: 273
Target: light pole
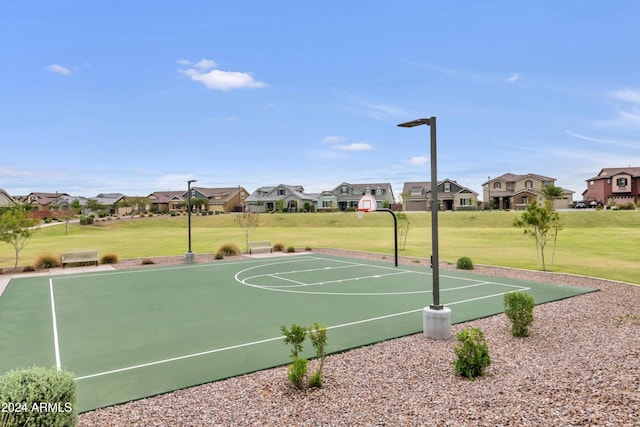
x: 436, y: 317
x: 189, y: 256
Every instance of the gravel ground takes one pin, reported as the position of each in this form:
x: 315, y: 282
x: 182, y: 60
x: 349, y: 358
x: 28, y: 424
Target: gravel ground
x: 579, y: 367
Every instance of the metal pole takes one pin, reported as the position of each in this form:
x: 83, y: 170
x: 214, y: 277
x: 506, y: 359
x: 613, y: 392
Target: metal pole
x: 395, y: 231
x: 189, y: 210
x: 434, y: 219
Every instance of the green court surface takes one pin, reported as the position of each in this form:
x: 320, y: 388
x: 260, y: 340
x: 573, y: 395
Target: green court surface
x: 129, y: 334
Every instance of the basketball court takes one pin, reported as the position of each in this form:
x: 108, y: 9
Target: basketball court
x: 129, y: 334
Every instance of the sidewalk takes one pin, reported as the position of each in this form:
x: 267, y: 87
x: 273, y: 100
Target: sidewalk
x: 6, y: 278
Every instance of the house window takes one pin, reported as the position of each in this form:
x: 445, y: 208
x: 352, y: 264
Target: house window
x: 496, y: 185
x: 242, y: 194
x: 622, y: 182
x: 525, y: 200
x: 592, y: 184
x: 465, y: 202
x: 447, y: 187
x: 343, y: 190
x: 367, y: 191
x: 528, y: 184
x: 416, y: 192
x: 378, y: 191
x: 280, y: 191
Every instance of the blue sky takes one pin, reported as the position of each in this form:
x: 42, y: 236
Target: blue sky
x: 140, y: 96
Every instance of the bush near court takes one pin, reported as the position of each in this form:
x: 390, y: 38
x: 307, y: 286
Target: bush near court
x: 38, y: 397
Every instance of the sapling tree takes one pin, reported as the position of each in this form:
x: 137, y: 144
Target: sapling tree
x: 540, y: 222
x: 16, y: 228
x: 247, y: 221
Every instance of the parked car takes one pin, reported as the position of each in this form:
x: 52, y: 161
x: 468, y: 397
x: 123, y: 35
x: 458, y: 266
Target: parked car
x: 580, y: 205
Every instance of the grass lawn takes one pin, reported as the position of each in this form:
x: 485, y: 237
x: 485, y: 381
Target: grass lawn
x: 594, y: 243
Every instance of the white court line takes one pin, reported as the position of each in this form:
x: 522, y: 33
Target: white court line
x: 56, y: 346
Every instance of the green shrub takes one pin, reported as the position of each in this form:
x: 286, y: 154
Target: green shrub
x: 229, y: 249
x: 29, y: 268
x: 519, y: 309
x: 291, y: 249
x: 278, y: 247
x: 472, y: 352
x: 45, y: 261
x: 627, y: 207
x: 40, y: 397
x: 109, y: 259
x: 464, y: 263
x: 298, y: 370
x: 147, y: 261
x: 219, y: 255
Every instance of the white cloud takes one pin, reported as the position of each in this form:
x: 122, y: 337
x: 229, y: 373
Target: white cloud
x: 626, y: 95
x: 55, y: 68
x: 624, y: 119
x: 417, y: 161
x: 356, y: 146
x: 206, y: 64
x: 514, y: 78
x: 218, y: 79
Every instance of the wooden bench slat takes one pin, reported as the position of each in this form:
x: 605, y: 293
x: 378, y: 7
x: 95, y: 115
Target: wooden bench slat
x: 260, y: 244
x: 79, y: 256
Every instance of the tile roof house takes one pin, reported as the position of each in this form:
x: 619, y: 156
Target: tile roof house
x: 226, y: 199
x: 613, y: 185
x: 345, y: 196
x: 511, y: 191
x: 451, y: 196
x: 291, y: 198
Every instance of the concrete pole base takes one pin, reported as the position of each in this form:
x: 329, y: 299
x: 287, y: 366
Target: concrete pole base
x: 189, y: 258
x: 436, y: 324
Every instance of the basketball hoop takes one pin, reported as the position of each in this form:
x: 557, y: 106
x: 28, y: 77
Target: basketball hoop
x: 367, y: 203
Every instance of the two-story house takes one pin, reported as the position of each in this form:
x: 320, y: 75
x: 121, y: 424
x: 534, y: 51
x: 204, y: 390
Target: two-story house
x: 613, y: 185
x: 416, y: 196
x: 511, y: 191
x: 345, y: 196
x: 291, y: 198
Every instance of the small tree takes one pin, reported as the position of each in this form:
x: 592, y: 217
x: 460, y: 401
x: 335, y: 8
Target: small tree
x: 539, y: 221
x: 247, y: 221
x: 16, y: 228
x: 403, y: 229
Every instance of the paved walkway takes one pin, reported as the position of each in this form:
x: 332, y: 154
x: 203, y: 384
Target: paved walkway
x: 6, y: 278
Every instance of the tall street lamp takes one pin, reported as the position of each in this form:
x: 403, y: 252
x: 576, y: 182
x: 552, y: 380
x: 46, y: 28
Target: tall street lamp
x: 189, y: 256
x: 436, y: 317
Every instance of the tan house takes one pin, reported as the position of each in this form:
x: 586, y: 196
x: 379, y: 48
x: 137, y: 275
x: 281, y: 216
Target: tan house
x: 511, y: 191
x: 416, y: 196
x: 227, y: 199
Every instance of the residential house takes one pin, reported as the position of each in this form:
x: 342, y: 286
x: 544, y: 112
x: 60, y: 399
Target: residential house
x: 613, y: 185
x: 291, y: 198
x: 416, y: 196
x: 6, y: 199
x: 345, y: 196
x: 231, y: 199
x: 167, y: 201
x: 43, y: 203
x: 63, y: 203
x: 511, y: 191
x: 114, y: 202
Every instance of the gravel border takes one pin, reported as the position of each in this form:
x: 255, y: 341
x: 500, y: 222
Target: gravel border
x: 579, y: 367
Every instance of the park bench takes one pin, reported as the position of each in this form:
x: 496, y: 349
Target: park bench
x: 260, y: 245
x: 79, y: 256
